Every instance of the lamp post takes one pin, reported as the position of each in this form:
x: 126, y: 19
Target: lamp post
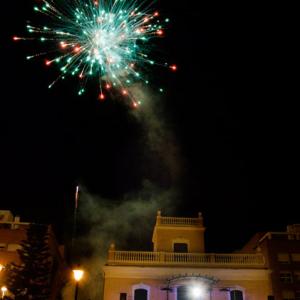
x: 167, y: 289
x: 77, y: 273
x: 3, y: 290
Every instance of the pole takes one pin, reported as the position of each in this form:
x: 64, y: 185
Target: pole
x: 3, y: 290
x: 75, y: 210
x: 167, y: 289
x: 76, y: 290
x: 75, y: 220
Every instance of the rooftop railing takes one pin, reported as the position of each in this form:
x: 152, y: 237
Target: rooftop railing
x: 13, y: 225
x: 179, y: 221
x: 281, y: 236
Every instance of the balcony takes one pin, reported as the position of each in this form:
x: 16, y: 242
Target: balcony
x: 207, y: 260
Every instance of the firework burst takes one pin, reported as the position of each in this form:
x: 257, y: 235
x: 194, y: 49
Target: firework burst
x: 104, y: 39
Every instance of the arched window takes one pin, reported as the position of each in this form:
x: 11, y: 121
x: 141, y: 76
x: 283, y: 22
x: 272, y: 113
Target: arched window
x: 236, y: 295
x: 141, y: 292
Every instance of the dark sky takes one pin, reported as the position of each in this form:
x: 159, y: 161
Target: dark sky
x: 231, y: 107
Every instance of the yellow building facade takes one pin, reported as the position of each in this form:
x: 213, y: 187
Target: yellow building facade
x: 178, y: 268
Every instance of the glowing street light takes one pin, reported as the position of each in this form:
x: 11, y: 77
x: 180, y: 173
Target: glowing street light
x: 78, y: 274
x: 3, y: 290
x: 1, y: 267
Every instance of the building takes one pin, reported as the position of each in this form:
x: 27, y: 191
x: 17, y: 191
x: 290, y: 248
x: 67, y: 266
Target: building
x: 282, y: 253
x: 12, y: 232
x: 178, y: 268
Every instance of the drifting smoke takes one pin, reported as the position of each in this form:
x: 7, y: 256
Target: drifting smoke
x: 160, y: 144
x: 130, y: 220
x: 124, y: 223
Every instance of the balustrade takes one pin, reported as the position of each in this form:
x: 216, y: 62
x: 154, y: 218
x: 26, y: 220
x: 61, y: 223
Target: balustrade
x: 195, y: 259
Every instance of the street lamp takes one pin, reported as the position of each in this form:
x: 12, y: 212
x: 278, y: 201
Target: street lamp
x: 78, y: 274
x: 3, y: 290
x: 167, y: 289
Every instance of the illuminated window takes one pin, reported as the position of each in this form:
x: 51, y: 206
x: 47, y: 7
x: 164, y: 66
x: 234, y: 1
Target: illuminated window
x: 236, y: 295
x: 296, y: 257
x: 13, y: 247
x: 123, y: 296
x: 283, y: 258
x: 193, y: 291
x: 3, y: 246
x: 182, y: 293
x: 286, y: 277
x: 288, y: 295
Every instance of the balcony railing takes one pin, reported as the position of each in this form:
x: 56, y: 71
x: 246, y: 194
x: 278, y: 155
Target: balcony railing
x: 185, y: 259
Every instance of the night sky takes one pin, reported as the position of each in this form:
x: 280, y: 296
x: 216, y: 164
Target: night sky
x: 230, y: 107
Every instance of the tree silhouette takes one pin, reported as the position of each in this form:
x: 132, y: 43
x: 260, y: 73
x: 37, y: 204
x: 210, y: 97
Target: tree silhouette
x: 31, y: 278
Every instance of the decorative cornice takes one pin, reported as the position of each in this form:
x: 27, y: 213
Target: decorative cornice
x: 161, y: 273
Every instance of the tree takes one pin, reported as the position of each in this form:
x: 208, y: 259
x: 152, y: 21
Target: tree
x: 31, y: 278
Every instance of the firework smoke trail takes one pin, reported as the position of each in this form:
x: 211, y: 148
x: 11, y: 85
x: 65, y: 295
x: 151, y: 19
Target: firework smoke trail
x: 74, y: 233
x: 106, y: 39
x: 75, y: 212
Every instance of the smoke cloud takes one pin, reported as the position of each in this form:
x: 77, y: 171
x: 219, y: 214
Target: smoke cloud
x: 126, y: 222
x: 129, y: 221
x: 161, y: 147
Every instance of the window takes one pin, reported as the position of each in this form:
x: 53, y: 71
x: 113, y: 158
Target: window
x: 140, y: 294
x: 123, y: 296
x: 288, y: 295
x: 236, y: 295
x: 4, y: 226
x: 180, y: 247
x: 296, y: 257
x: 297, y: 276
x: 3, y: 246
x: 286, y: 277
x: 13, y: 247
x: 283, y: 258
